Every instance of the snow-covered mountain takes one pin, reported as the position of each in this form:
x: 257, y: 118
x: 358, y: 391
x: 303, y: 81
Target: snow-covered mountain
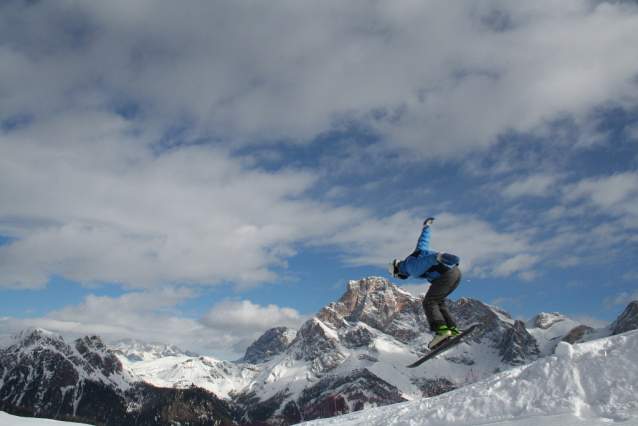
x: 86, y: 379
x: 39, y: 370
x: 222, y: 378
x: 352, y: 355
x: 357, y: 348
x: 138, y: 350
x: 593, y: 383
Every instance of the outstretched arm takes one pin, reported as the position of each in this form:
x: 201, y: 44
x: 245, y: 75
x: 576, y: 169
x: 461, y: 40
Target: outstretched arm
x: 424, y: 239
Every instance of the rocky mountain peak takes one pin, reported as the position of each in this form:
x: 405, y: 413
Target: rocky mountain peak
x: 270, y: 344
x: 628, y: 320
x: 30, y: 336
x: 545, y: 321
x: 358, y: 292
x: 518, y: 346
x: 373, y: 301
x: 468, y: 311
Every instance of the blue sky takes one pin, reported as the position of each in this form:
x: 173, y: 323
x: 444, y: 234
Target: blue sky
x: 198, y: 174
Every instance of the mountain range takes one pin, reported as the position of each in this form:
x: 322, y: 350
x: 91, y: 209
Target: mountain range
x: 350, y: 356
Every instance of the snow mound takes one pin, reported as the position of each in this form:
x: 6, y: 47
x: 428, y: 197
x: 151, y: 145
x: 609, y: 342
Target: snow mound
x: 590, y: 383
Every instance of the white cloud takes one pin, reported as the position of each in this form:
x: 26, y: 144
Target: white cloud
x: 623, y: 298
x: 520, y: 262
x: 98, y: 97
x: 589, y: 321
x: 415, y: 289
x: 225, y: 331
x: 247, y: 316
x: 536, y: 185
x: 483, y: 250
x: 617, y: 193
x: 420, y: 73
x: 142, y: 315
x: 98, y: 207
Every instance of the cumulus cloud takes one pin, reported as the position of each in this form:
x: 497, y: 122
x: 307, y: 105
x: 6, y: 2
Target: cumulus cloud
x: 295, y: 70
x: 245, y: 315
x: 520, y: 262
x: 98, y: 207
x: 127, y: 128
x: 225, y: 331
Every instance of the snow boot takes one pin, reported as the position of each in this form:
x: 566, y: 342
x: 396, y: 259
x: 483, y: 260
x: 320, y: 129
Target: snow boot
x: 441, y: 334
x: 455, y: 331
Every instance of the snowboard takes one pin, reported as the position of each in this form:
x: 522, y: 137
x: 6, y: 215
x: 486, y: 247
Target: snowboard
x: 449, y: 344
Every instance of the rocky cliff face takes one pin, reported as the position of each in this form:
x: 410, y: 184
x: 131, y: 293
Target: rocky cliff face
x: 380, y: 305
x: 496, y: 321
x: 577, y: 333
x: 41, y: 371
x: 628, y: 320
x: 518, y: 346
x: 271, y: 343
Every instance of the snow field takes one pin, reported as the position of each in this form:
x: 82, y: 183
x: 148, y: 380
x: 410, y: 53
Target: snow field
x: 592, y: 383
x: 219, y: 377
x: 9, y: 420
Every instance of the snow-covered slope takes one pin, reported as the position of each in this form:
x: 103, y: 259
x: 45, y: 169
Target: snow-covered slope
x: 587, y: 383
x: 9, y: 420
x: 549, y: 329
x: 222, y: 378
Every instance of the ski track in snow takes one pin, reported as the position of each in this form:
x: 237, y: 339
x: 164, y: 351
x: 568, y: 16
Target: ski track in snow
x: 593, y: 383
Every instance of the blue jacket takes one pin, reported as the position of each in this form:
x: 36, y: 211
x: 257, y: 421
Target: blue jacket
x: 422, y: 263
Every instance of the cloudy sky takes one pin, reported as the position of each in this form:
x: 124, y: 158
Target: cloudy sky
x: 198, y: 173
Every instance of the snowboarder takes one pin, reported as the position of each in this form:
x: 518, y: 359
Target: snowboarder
x: 442, y: 271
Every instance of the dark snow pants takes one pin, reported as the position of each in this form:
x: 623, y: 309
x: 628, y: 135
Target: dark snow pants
x: 434, y: 305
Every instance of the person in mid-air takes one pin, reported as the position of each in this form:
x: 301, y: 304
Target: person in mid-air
x: 442, y: 271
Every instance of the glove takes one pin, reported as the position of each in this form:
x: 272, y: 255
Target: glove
x: 447, y: 258
x: 428, y: 221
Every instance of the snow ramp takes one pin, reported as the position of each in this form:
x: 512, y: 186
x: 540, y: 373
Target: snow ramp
x: 593, y: 383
